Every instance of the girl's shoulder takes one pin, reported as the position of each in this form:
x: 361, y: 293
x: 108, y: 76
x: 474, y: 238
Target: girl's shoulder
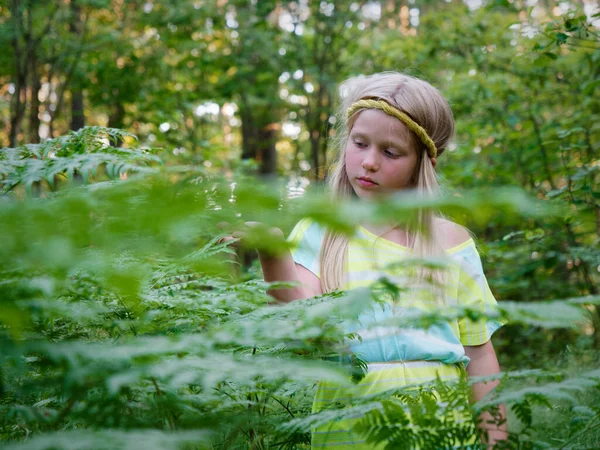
x: 307, y: 230
x: 450, y: 234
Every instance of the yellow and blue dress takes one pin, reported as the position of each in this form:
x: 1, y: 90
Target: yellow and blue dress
x: 396, y: 357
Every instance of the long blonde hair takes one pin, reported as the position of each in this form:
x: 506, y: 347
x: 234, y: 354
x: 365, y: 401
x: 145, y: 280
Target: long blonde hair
x: 427, y: 107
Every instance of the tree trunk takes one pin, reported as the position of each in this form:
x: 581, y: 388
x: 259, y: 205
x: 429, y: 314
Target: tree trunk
x: 314, y: 148
x: 259, y: 143
x: 20, y: 77
x: 18, y: 110
x: 266, y: 150
x: 259, y: 134
x: 77, y: 116
x: 116, y: 119
x: 248, y: 148
x: 34, y: 105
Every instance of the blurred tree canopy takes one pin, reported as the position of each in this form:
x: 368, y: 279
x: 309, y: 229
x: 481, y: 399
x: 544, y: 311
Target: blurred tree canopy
x: 219, y: 92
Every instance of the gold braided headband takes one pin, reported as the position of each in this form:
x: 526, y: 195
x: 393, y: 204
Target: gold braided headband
x: 403, y: 117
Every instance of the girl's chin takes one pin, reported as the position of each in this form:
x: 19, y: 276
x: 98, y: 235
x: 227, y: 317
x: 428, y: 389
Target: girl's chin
x: 364, y: 194
x: 370, y: 194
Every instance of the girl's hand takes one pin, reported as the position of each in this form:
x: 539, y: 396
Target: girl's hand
x: 276, y: 260
x: 269, y: 241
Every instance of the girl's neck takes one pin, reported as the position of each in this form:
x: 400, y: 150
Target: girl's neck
x: 382, y: 228
x: 379, y: 229
x: 395, y: 233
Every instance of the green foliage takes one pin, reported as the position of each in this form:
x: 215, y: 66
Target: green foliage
x: 116, y: 439
x: 123, y: 320
x: 424, y: 418
x: 78, y: 154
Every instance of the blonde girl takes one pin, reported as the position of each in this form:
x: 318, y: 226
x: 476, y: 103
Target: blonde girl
x: 393, y: 129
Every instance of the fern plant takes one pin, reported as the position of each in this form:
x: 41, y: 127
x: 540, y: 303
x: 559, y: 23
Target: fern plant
x: 78, y: 154
x: 122, y: 321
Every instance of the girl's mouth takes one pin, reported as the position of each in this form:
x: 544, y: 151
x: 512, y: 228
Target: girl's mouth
x: 366, y: 182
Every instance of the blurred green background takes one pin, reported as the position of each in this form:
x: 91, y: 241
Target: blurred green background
x: 222, y: 92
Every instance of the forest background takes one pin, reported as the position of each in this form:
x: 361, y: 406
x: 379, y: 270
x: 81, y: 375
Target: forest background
x: 119, y: 310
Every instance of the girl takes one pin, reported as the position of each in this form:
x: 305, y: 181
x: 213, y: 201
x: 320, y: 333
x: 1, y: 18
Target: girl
x: 393, y: 129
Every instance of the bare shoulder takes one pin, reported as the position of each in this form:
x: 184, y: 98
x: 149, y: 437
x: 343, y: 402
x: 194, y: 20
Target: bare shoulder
x: 450, y: 234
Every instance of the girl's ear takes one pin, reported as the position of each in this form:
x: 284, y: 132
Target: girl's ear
x: 433, y: 162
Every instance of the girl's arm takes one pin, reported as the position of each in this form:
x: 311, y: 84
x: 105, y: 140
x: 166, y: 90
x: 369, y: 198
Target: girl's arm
x: 283, y: 268
x: 484, y: 362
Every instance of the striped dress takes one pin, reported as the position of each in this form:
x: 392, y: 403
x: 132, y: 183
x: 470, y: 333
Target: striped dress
x: 396, y: 357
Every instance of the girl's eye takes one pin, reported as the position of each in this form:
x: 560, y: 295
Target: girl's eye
x: 360, y: 144
x: 391, y: 154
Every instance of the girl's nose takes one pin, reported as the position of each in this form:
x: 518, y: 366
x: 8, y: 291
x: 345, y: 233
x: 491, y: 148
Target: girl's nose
x: 370, y: 161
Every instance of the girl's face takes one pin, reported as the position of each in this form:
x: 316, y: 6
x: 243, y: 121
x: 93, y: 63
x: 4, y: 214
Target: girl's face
x: 380, y: 155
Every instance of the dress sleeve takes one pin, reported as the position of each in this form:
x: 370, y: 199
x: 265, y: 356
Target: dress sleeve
x: 306, y: 239
x: 474, y: 292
